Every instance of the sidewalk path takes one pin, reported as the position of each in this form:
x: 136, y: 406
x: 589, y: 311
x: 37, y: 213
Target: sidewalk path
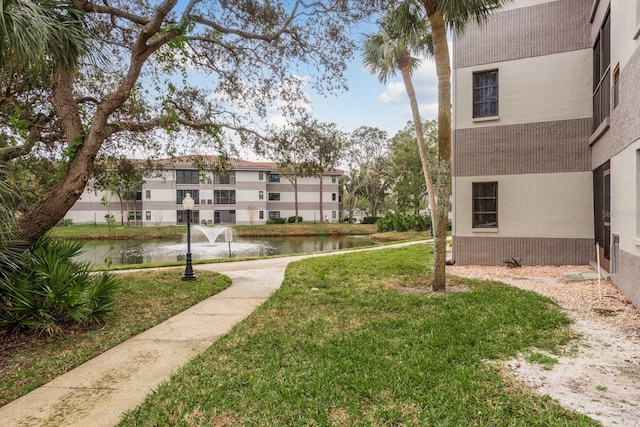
x: 98, y: 392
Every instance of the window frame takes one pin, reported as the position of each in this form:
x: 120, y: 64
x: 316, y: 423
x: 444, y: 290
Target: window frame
x: 274, y: 214
x: 602, y: 73
x: 478, y: 104
x: 181, y: 193
x: 274, y: 177
x: 224, y: 197
x: 478, y: 213
x: 187, y: 176
x: 274, y: 197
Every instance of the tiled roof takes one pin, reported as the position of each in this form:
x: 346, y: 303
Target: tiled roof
x: 212, y: 160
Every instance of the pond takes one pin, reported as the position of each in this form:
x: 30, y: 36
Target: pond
x: 143, y: 252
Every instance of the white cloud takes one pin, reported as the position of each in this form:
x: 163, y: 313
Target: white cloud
x: 393, y: 92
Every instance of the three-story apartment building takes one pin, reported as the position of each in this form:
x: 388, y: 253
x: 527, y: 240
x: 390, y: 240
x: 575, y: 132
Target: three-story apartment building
x: 245, y: 193
x: 547, y: 137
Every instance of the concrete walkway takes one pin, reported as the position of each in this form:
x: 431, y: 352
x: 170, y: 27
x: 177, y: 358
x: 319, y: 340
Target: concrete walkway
x: 98, y: 392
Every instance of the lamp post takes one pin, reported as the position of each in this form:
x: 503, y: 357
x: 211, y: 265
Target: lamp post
x: 187, y: 204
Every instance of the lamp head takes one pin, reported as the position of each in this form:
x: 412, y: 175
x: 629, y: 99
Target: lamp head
x: 188, y: 203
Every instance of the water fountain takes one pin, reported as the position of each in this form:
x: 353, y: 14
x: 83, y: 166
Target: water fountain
x: 211, y: 233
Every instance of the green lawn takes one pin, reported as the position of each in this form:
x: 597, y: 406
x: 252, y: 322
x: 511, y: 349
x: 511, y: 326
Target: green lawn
x: 359, y: 340
x: 145, y: 299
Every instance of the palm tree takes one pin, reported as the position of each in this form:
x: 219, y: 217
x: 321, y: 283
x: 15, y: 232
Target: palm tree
x: 443, y: 15
x: 34, y: 34
x: 403, y: 39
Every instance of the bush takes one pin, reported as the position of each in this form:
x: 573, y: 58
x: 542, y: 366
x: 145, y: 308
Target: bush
x: 50, y: 289
x: 292, y: 219
x: 277, y: 221
x: 370, y: 219
x: 65, y: 222
x: 402, y: 222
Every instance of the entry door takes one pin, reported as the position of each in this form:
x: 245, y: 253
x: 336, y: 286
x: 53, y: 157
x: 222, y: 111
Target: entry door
x: 602, y: 212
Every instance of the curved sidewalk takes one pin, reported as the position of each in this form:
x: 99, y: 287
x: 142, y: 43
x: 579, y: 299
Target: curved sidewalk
x: 98, y: 392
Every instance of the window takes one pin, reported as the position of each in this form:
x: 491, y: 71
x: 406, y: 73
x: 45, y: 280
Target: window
x: 261, y: 195
x: 224, y: 217
x: 274, y: 214
x: 333, y: 179
x: 182, y: 217
x: 485, y: 204
x: 224, y: 197
x: 260, y: 175
x: 209, y: 201
x: 180, y: 194
x: 225, y: 178
x: 138, y: 195
x: 274, y: 196
x: 261, y: 214
x: 274, y: 177
x: 187, y: 177
x: 485, y: 94
x: 147, y: 194
x: 148, y: 215
x: 333, y: 197
x: 333, y: 214
x: 137, y: 214
x: 203, y: 201
x: 601, y: 73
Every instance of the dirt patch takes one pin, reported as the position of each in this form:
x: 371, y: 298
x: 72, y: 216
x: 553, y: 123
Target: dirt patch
x: 598, y: 376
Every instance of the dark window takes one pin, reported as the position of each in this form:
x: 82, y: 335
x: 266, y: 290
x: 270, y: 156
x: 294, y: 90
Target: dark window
x: 148, y: 215
x: 485, y: 93
x: 333, y: 197
x: 260, y: 195
x: 180, y: 194
x: 138, y: 215
x: 274, y: 177
x: 260, y: 175
x: 224, y: 217
x: 602, y: 73
x: 261, y: 214
x: 485, y: 205
x: 187, y: 177
x: 182, y: 217
x: 274, y: 214
x: 333, y: 215
x: 333, y: 179
x: 147, y: 194
x: 225, y: 178
x: 224, y: 197
x: 274, y: 196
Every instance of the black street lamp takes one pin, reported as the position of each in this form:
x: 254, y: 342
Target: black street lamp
x: 187, y: 204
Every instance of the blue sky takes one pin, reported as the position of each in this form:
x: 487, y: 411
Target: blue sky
x: 371, y: 103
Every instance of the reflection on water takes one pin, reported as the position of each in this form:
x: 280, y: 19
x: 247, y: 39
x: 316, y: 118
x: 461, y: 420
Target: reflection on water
x: 142, y: 252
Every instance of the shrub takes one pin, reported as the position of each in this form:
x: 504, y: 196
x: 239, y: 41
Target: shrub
x: 370, y: 219
x: 292, y: 219
x: 403, y: 222
x: 277, y: 221
x: 50, y: 289
x: 65, y: 222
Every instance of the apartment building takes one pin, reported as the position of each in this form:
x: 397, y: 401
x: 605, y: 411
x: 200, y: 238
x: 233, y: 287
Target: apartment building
x: 246, y: 193
x: 546, y: 154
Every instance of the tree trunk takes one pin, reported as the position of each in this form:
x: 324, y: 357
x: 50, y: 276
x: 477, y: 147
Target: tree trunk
x: 403, y: 64
x: 443, y: 190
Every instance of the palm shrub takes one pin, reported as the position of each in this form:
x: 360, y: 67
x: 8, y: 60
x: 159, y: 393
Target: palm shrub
x: 51, y: 290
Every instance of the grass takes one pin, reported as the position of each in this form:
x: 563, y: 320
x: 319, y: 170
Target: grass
x: 118, y: 232
x: 359, y: 340
x: 303, y: 229
x: 145, y: 299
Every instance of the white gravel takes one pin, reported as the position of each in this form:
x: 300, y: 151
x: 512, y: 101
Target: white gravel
x: 599, y: 378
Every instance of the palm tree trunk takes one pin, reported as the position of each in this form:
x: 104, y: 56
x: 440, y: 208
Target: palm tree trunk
x: 443, y: 190
x: 417, y: 123
x: 321, y: 209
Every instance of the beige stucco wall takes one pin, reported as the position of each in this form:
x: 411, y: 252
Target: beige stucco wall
x: 625, y: 198
x: 537, y: 89
x: 555, y: 205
